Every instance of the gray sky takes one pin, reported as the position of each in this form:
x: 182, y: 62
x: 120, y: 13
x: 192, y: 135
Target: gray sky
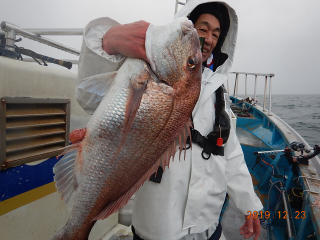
x: 275, y: 36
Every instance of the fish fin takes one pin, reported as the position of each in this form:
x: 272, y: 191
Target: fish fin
x: 163, y: 161
x: 98, y: 85
x: 65, y: 177
x: 180, y: 144
x: 137, y: 87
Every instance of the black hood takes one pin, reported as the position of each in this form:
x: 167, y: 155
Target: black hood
x: 220, y: 11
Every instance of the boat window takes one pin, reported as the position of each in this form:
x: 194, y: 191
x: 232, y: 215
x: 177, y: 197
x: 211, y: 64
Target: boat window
x: 32, y: 129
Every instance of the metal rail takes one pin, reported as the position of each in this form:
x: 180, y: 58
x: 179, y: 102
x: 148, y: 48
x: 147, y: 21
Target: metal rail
x: 73, y: 61
x: 11, y: 30
x: 53, y: 31
x: 268, y: 152
x: 289, y: 220
x: 236, y: 87
x: 177, y: 4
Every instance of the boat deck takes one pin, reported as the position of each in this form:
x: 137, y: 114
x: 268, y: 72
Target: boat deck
x: 247, y: 138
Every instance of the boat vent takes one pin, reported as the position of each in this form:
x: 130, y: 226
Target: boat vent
x: 32, y: 129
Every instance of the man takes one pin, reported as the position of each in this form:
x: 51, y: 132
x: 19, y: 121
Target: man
x: 187, y: 202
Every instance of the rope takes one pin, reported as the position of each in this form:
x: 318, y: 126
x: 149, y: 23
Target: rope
x: 8, y: 53
x: 268, y: 164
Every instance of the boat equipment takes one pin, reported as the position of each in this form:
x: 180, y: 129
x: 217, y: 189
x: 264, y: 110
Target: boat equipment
x: 19, y: 51
x: 12, y: 30
x: 179, y: 3
x: 9, y: 49
x: 293, y: 160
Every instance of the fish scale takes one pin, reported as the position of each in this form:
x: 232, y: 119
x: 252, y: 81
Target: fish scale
x: 137, y: 126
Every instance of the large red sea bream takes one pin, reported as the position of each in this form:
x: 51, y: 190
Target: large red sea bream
x: 141, y: 121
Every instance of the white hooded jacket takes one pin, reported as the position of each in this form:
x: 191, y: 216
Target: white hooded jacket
x: 189, y: 199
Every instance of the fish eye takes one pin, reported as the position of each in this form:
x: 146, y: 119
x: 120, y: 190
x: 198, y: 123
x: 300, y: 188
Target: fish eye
x: 191, y: 62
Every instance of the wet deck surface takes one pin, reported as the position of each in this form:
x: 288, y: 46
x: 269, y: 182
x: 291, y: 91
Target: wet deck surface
x: 247, y: 138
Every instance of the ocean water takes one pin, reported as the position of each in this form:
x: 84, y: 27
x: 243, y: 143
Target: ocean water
x: 301, y: 112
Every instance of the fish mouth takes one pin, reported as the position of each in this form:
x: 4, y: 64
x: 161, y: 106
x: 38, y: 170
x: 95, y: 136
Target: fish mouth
x: 187, y: 27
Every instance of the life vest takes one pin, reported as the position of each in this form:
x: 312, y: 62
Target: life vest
x: 213, y: 142
x: 221, y: 131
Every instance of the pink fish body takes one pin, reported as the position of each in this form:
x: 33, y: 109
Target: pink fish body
x: 141, y: 121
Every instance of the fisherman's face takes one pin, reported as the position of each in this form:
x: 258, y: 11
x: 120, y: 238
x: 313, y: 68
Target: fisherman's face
x: 208, y: 26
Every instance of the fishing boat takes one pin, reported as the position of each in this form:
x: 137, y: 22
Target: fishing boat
x: 290, y: 195
x: 38, y: 111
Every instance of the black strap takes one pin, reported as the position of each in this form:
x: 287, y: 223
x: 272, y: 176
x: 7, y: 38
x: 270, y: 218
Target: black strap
x: 157, y: 176
x: 209, y: 146
x: 221, y: 129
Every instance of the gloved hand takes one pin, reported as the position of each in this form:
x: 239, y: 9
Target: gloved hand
x: 126, y: 39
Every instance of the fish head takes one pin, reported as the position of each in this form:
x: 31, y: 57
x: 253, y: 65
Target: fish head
x: 175, y: 54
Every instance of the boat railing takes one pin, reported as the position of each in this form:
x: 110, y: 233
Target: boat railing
x: 265, y: 76
x: 179, y: 3
x: 10, y: 31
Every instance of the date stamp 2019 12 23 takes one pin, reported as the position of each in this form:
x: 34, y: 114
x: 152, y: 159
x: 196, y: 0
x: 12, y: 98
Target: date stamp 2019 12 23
x: 279, y: 215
